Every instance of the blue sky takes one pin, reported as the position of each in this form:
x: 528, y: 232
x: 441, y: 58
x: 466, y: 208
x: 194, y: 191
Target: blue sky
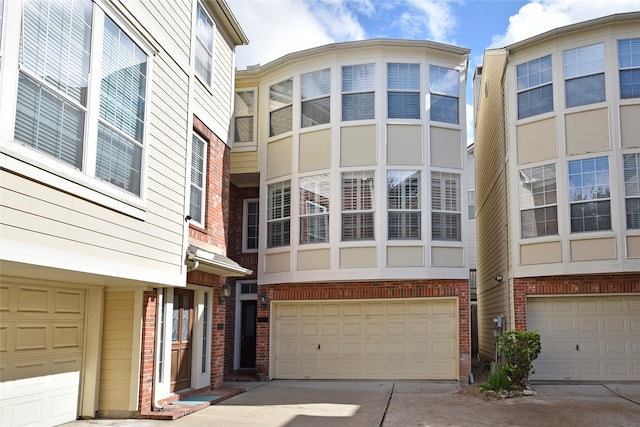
x: 278, y: 27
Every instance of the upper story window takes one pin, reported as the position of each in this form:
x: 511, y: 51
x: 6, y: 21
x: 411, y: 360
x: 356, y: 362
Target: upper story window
x: 534, y: 87
x: 403, y: 91
x: 315, y: 88
x: 589, y: 194
x: 204, y: 45
x: 244, y: 111
x: 280, y: 108
x: 632, y: 189
x: 279, y: 214
x: 357, y: 206
x: 53, y: 102
x: 404, y: 205
x: 472, y: 204
x: 584, y: 75
x: 444, y: 87
x: 250, y: 225
x: 629, y: 63
x: 198, y: 179
x: 538, y: 201
x: 445, y: 206
x: 358, y: 92
x: 314, y: 208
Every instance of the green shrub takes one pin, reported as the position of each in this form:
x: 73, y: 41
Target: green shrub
x: 518, y: 350
x: 496, y: 381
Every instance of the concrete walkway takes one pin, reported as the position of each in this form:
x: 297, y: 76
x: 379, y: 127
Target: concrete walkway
x: 400, y: 404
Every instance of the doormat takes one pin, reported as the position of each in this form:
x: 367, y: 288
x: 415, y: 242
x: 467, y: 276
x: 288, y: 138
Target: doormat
x: 196, y: 400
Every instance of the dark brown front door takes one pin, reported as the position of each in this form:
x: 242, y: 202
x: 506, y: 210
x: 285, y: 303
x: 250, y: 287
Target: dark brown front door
x: 248, y: 335
x: 182, y: 326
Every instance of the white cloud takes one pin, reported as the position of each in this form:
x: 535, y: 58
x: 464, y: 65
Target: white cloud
x: 539, y: 16
x: 438, y: 17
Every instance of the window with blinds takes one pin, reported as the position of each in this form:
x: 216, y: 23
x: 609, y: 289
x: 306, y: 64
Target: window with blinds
x: 244, y: 111
x: 629, y: 63
x: 534, y: 81
x: 538, y: 201
x: 444, y: 88
x: 358, y: 206
x: 315, y: 89
x: 251, y: 214
x: 280, y: 107
x: 403, y: 205
x: 403, y: 91
x: 445, y: 206
x: 198, y: 179
x: 278, y: 214
x: 314, y: 208
x: 53, y: 91
x: 584, y: 75
x: 358, y: 94
x: 204, y: 45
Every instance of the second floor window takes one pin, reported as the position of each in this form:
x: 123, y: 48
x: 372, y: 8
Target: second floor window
x: 314, y: 209
x: 403, y: 91
x: 444, y: 87
x: 445, y: 206
x: 198, y: 179
x: 584, y: 75
x: 204, y: 45
x: 279, y: 214
x: 280, y: 108
x: 632, y: 189
x: 315, y: 88
x: 357, y: 206
x: 243, y: 112
x: 358, y: 92
x: 629, y: 63
x: 538, y: 201
x: 250, y: 222
x: 534, y: 87
x: 404, y: 205
x: 589, y: 194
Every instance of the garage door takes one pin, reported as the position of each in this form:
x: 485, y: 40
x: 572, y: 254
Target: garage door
x: 398, y: 339
x: 41, y: 338
x: 587, y: 338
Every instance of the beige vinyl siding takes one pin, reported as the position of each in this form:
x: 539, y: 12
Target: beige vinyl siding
x: 117, y: 345
x: 244, y: 162
x: 491, y: 304
x: 175, y: 18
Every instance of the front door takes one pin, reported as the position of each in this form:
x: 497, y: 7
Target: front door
x: 248, y: 335
x: 182, y: 327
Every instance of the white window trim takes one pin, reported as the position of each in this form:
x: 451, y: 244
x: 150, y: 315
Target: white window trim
x: 252, y: 145
x: 418, y: 91
x: 203, y: 208
x: 208, y: 85
x: 245, y: 224
x: 405, y: 210
x: 534, y: 208
x: 443, y: 200
x: 609, y: 199
x: 373, y: 90
x: 282, y: 107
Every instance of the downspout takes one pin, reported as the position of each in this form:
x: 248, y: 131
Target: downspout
x: 506, y: 189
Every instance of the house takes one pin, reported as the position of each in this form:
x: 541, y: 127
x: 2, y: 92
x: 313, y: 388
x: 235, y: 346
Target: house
x: 348, y: 164
x: 557, y: 197
x: 112, y: 116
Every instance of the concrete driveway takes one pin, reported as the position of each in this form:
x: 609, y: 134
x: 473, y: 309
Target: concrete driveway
x: 402, y: 404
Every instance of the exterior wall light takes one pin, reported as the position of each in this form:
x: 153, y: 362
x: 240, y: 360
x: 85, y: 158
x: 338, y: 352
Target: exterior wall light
x: 225, y: 292
x: 263, y: 300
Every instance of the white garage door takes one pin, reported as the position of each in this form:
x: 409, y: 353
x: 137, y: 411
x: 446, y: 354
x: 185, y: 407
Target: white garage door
x: 588, y: 338
x: 381, y: 339
x: 41, y: 338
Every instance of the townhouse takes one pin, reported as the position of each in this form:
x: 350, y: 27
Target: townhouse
x: 557, y: 150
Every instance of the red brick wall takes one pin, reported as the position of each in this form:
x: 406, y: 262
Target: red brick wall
x: 569, y: 285
x: 149, y: 308
x: 369, y: 290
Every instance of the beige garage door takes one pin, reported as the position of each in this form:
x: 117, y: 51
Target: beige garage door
x: 590, y: 338
x: 41, y: 337
x: 381, y: 339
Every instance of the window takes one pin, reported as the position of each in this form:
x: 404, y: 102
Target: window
x: 404, y: 205
x: 314, y: 209
x: 204, y: 45
x: 205, y: 332
x: 244, y: 110
x: 53, y: 91
x: 445, y: 206
x: 280, y: 109
x: 357, y: 206
x: 358, y: 95
x: 315, y: 90
x: 534, y: 87
x: 538, y: 201
x: 584, y: 75
x: 629, y: 63
x: 403, y: 96
x: 472, y: 204
x: 198, y: 179
x: 279, y: 214
x: 589, y: 194
x: 632, y: 189
x: 250, y: 229
x: 444, y: 83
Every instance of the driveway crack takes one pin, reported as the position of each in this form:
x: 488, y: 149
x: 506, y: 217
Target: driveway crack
x: 620, y: 395
x: 386, y: 408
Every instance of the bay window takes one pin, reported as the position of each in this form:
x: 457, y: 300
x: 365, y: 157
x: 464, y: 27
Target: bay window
x: 584, y: 75
x: 243, y: 113
x: 358, y: 92
x: 534, y: 85
x: 357, y: 206
x: 445, y: 206
x: 403, y: 91
x: 629, y: 63
x: 315, y: 88
x: 444, y: 88
x: 280, y: 107
x: 279, y: 214
x: 403, y: 205
x: 314, y: 208
x: 632, y: 190
x: 589, y: 194
x: 538, y: 201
